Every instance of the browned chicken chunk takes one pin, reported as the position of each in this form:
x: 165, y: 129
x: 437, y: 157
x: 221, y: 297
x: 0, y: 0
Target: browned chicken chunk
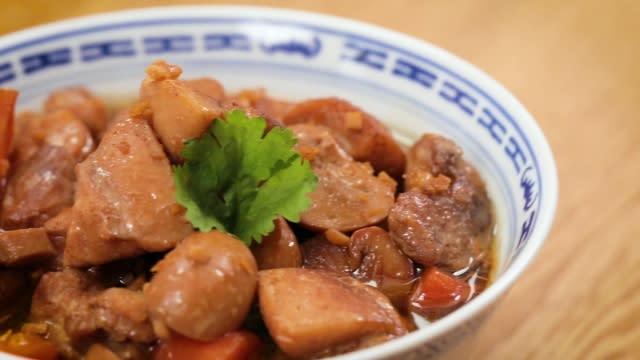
x: 314, y: 313
x: 41, y: 184
x: 82, y: 103
x: 179, y: 112
x: 348, y: 196
x: 444, y: 218
x: 363, y: 136
x: 203, y: 288
x: 71, y: 301
x: 125, y: 203
x: 369, y: 256
x: 279, y: 249
x: 39, y: 188
x: 435, y: 231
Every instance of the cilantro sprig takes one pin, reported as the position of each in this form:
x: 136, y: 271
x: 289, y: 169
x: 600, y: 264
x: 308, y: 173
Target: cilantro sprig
x: 237, y: 179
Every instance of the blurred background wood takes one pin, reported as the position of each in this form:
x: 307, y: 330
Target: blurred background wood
x: 576, y: 66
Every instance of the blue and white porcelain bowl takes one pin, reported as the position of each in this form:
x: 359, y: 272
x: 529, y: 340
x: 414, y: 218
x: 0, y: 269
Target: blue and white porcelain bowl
x: 411, y: 85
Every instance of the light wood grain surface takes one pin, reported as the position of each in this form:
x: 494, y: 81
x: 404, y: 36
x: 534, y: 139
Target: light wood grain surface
x: 576, y: 66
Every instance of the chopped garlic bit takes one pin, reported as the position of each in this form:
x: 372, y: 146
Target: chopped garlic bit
x: 353, y: 120
x: 336, y: 237
x: 160, y: 329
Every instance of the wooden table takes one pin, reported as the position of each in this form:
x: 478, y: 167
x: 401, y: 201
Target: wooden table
x: 576, y: 66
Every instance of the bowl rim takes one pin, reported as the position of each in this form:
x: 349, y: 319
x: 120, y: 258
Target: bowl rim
x: 438, y: 55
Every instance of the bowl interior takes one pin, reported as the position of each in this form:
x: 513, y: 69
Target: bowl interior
x: 410, y: 85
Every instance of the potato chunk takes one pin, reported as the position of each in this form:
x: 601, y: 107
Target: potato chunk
x: 313, y: 313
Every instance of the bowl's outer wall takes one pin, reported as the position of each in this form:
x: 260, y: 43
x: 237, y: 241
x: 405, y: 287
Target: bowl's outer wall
x: 410, y: 85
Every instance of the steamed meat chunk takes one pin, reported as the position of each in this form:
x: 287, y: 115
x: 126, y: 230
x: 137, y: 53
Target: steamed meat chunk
x: 124, y: 203
x: 179, y: 113
x: 62, y: 128
x: 348, y: 196
x: 435, y: 166
x: 378, y: 257
x: 203, y: 288
x: 58, y: 128
x: 278, y: 249
x: 70, y: 300
x: 363, y: 136
x: 436, y: 231
x: 39, y: 188
x: 314, y: 313
x: 82, y: 103
x: 369, y: 256
x: 320, y: 253
x: 42, y: 181
x: 123, y: 314
x: 444, y: 218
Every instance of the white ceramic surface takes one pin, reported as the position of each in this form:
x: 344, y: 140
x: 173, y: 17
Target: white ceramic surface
x: 411, y: 85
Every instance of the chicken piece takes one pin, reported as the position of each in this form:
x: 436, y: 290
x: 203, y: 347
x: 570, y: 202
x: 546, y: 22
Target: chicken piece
x: 180, y: 113
x: 370, y: 256
x: 435, y: 166
x: 125, y: 202
x: 363, y: 136
x: 437, y: 231
x: 348, y: 195
x: 278, y: 249
x: 203, y: 288
x: 59, y: 128
x: 319, y: 253
x: 377, y: 256
x: 25, y: 247
x: 47, y: 149
x: 122, y: 313
x: 82, y: 103
x: 39, y: 188
x: 314, y: 313
x: 70, y: 300
x: 445, y: 217
x: 62, y: 128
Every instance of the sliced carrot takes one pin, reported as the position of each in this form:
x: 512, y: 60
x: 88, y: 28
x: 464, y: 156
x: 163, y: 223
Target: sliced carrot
x: 438, y: 293
x: 234, y: 345
x: 28, y: 345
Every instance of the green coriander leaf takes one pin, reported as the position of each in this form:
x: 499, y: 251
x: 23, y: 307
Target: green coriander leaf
x: 238, y: 180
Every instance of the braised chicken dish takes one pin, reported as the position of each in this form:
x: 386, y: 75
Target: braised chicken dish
x: 196, y: 223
